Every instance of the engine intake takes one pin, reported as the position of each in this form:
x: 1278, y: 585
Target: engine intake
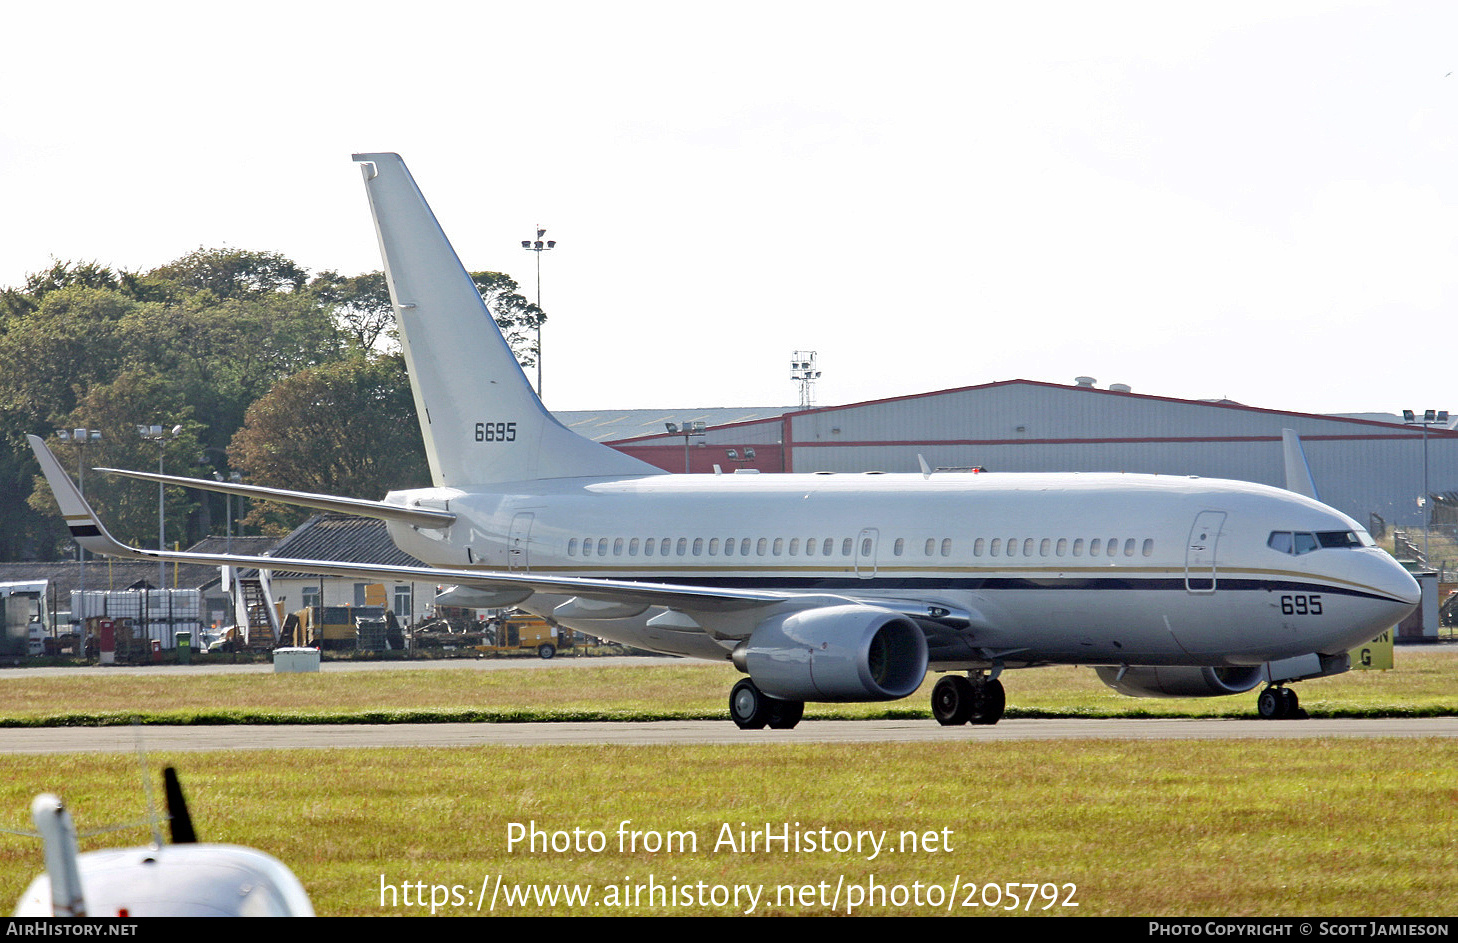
x: 1180, y: 682
x: 836, y: 653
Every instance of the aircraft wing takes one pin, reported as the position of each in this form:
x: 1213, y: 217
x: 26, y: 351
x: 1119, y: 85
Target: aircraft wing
x: 416, y: 517
x: 504, y: 589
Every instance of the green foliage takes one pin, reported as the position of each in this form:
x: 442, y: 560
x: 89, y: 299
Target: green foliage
x: 517, y: 317
x: 226, y: 273
x: 346, y: 428
x: 198, y: 342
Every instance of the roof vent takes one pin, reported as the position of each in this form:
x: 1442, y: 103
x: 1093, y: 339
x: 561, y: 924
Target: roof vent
x: 1085, y: 382
x: 1121, y: 388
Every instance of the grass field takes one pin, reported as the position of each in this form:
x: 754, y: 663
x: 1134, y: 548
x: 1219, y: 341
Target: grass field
x: 1421, y: 685
x: 1263, y: 828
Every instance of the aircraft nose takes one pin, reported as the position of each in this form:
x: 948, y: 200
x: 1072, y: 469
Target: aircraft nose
x: 1399, y: 584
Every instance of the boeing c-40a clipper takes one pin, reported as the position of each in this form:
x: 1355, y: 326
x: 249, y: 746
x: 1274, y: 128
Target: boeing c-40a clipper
x: 825, y: 587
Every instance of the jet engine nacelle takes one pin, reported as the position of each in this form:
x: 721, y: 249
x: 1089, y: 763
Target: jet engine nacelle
x: 836, y: 653
x: 1180, y: 682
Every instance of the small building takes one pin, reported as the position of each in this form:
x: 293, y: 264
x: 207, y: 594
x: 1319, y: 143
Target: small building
x: 350, y: 540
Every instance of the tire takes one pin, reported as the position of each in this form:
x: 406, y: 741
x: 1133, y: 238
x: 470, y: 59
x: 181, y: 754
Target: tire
x: 748, y: 707
x: 1271, y: 705
x: 546, y: 651
x: 989, y: 707
x: 952, y: 700
x: 784, y: 715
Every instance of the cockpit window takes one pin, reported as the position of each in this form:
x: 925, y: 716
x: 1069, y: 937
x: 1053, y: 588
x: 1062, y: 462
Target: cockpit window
x: 1299, y: 542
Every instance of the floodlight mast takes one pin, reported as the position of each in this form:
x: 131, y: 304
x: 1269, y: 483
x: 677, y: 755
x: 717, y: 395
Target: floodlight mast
x: 688, y: 429
x: 1431, y: 417
x: 539, y: 245
x: 804, y: 371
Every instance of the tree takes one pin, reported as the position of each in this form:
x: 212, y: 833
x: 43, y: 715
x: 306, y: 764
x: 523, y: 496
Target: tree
x: 345, y: 428
x: 227, y: 273
x: 517, y: 317
x: 56, y: 350
x: 361, y: 304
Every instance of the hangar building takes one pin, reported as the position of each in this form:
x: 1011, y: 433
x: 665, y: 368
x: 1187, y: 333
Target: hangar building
x: 1363, y: 465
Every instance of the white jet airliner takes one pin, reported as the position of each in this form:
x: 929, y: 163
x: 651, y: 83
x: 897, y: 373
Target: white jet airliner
x: 832, y: 587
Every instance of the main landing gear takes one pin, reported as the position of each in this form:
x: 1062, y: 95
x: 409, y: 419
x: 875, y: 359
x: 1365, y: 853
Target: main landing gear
x: 1279, y: 703
x: 957, y: 699
x: 752, y: 709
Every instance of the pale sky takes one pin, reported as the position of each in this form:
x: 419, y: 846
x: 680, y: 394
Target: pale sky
x: 1252, y: 200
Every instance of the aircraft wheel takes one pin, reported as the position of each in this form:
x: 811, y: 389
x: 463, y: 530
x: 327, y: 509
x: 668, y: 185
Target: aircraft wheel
x: 952, y: 700
x: 546, y: 651
x: 990, y: 703
x: 1291, y: 703
x: 784, y: 715
x: 1272, y: 703
x: 748, y: 706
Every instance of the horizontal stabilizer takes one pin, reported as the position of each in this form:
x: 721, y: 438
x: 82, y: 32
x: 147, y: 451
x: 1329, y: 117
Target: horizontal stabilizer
x: 416, y: 517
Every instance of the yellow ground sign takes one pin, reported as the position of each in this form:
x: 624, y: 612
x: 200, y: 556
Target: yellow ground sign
x: 1376, y: 654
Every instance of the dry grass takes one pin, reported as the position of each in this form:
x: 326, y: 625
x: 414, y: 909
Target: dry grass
x: 1347, y: 828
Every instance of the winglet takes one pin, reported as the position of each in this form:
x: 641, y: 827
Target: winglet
x: 1298, y: 472
x: 83, y: 523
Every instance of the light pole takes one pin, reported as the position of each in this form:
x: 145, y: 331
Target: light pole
x: 688, y: 431
x: 161, y: 437
x: 81, y: 438
x: 538, y: 246
x: 1430, y: 417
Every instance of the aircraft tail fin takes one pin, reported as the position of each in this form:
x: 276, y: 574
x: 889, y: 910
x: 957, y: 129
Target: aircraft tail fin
x: 1298, y: 472
x: 481, y: 420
